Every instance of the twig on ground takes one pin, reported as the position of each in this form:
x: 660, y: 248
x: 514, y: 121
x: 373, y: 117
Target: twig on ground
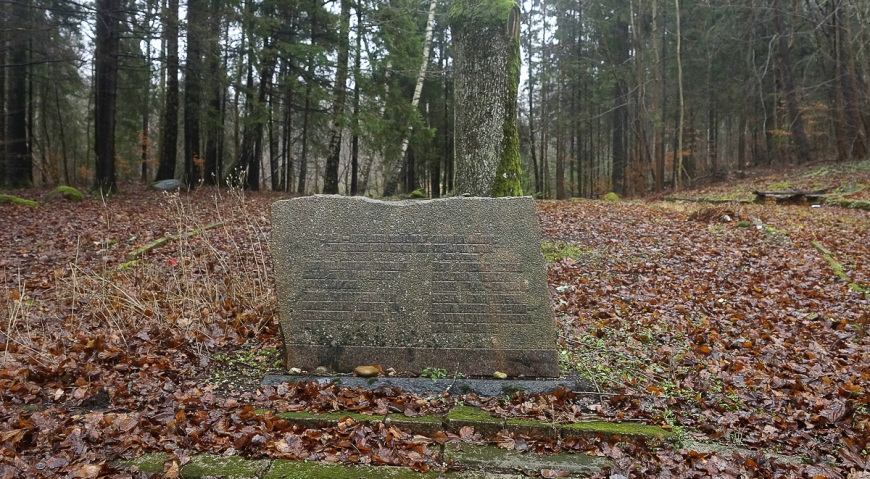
x: 142, y: 251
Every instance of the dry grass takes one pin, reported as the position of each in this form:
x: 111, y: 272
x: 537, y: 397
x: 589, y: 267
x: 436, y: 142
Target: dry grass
x: 194, y: 289
x: 716, y: 213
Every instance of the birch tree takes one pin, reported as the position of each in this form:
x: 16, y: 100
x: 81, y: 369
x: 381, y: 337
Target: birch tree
x: 393, y: 176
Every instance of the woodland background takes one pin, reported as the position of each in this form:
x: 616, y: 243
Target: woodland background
x: 249, y: 90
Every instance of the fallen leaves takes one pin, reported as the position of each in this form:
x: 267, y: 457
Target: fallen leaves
x: 739, y: 334
x: 714, y: 324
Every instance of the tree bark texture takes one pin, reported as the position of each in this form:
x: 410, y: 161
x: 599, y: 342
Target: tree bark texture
x: 213, y: 119
x: 193, y: 70
x: 486, y: 46
x: 252, y: 141
x: 620, y: 108
x: 19, y: 163
x: 105, y: 92
x: 146, y: 104
x: 354, y: 155
x: 797, y: 122
x: 678, y: 158
x: 166, y: 170
x: 853, y: 141
x: 3, y: 20
x: 657, y: 110
x: 339, y: 92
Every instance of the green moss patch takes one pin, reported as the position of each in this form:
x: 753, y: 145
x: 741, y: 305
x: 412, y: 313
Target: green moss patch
x: 611, y: 197
x: 480, y: 420
x: 555, y: 251
x: 17, y: 201
x: 532, y: 428
x: 846, y: 203
x: 615, y: 429
x: 284, y: 469
x: 67, y: 192
x: 466, y: 413
x: 494, y: 457
x: 151, y: 463
x: 231, y: 467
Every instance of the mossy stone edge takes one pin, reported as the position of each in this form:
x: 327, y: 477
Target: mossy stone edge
x: 483, y: 423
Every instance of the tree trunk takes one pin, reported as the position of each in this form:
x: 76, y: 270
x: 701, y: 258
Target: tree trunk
x: 287, y: 182
x: 19, y: 162
x: 193, y: 70
x: 357, y: 77
x: 274, y: 166
x: 339, y: 93
x: 65, y: 157
x: 393, y: 176
x: 145, y: 145
x: 447, y: 182
x: 105, y: 92
x: 169, y: 141
x: 214, y: 128
x: 544, y: 153
x: 3, y: 45
x: 252, y: 140
x: 560, y: 135
x: 532, y: 150
x: 487, y: 67
x: 620, y: 110
x: 657, y: 110
x: 303, y: 157
x: 309, y: 80
x: 850, y: 118
x: 860, y: 146
x: 797, y: 123
x: 678, y: 154
x: 741, y: 140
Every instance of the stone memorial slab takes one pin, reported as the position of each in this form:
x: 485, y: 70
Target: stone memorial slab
x: 458, y: 284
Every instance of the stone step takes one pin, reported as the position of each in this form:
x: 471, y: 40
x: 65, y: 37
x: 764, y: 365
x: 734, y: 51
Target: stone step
x: 482, y: 462
x: 485, y: 424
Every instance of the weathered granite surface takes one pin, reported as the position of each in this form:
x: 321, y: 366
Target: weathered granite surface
x: 458, y: 284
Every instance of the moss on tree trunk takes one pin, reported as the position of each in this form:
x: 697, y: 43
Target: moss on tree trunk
x: 486, y: 45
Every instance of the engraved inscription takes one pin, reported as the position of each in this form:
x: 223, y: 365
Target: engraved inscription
x: 469, y: 287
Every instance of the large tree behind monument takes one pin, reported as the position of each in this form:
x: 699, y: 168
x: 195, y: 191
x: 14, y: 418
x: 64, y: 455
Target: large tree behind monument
x: 486, y: 42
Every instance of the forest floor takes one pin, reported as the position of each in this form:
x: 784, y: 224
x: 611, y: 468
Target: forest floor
x: 723, y: 323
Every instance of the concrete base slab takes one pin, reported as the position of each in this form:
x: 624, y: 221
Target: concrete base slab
x: 481, y: 387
